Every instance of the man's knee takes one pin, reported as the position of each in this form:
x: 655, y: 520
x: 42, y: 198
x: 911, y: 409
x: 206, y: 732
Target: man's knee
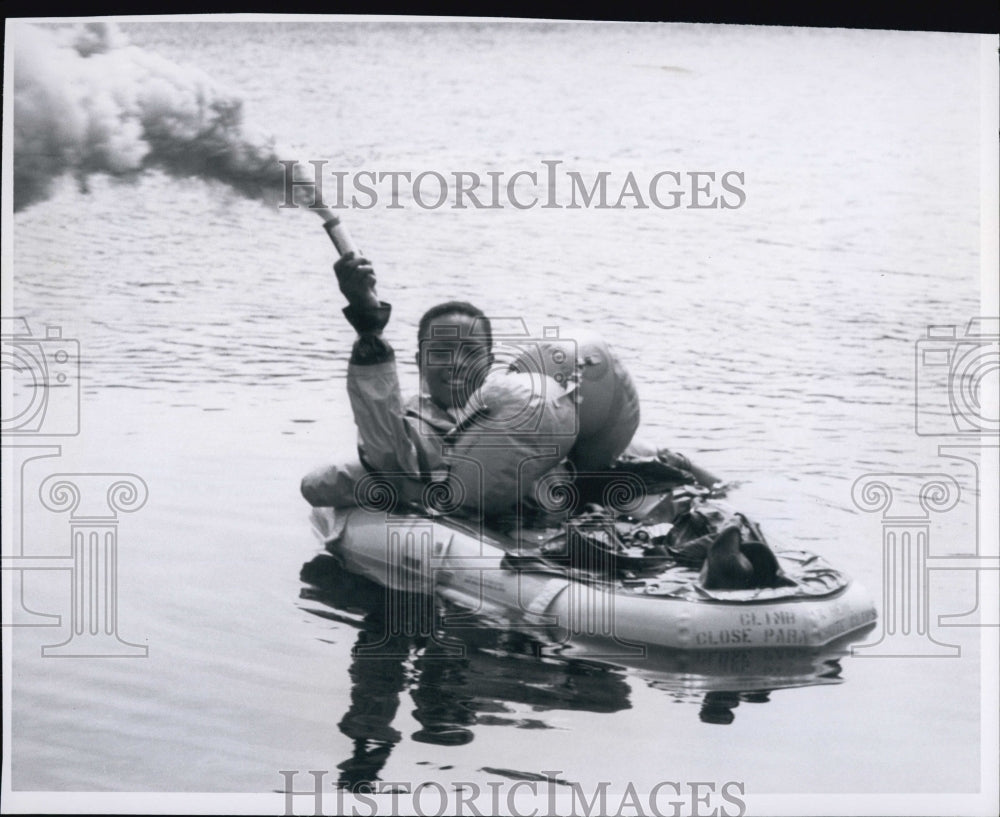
x: 330, y: 485
x: 310, y: 489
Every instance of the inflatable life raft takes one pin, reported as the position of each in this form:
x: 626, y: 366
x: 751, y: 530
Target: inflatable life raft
x: 629, y: 572
x: 495, y: 577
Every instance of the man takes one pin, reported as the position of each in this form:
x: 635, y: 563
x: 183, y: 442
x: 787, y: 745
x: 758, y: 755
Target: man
x: 490, y: 438
x: 484, y: 436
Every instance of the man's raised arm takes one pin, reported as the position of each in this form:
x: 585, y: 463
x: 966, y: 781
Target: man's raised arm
x: 384, y: 440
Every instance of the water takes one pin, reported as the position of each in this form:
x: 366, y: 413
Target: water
x: 773, y: 343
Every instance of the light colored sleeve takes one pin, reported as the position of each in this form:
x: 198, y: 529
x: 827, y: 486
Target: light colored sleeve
x: 386, y: 441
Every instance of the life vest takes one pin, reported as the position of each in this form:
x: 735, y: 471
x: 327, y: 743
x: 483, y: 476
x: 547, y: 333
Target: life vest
x: 606, y: 398
x: 515, y: 429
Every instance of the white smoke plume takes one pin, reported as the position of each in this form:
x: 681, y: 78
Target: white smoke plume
x: 85, y: 101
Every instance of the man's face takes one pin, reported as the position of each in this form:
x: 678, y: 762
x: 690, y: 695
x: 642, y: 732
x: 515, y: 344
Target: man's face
x: 452, y: 360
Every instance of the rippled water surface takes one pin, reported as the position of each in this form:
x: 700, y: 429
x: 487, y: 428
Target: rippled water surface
x: 774, y: 343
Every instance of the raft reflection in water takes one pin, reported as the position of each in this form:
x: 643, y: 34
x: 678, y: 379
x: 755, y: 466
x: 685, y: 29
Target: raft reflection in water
x: 451, y: 689
x: 477, y: 675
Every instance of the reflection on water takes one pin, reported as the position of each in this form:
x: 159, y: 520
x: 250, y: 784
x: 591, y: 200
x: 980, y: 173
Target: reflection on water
x: 460, y: 678
x: 456, y: 679
x: 718, y: 706
x: 686, y: 673
x: 718, y: 681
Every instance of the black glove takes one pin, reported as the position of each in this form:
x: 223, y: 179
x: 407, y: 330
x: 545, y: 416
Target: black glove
x: 368, y: 321
x: 357, y: 281
x: 364, y: 311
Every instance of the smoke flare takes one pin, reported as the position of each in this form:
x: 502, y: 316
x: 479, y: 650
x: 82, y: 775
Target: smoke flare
x: 85, y: 102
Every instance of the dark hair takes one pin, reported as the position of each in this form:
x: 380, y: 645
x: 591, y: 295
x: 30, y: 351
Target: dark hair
x: 481, y: 327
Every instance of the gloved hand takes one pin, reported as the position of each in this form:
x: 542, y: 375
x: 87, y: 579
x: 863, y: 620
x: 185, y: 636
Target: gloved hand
x: 356, y: 278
